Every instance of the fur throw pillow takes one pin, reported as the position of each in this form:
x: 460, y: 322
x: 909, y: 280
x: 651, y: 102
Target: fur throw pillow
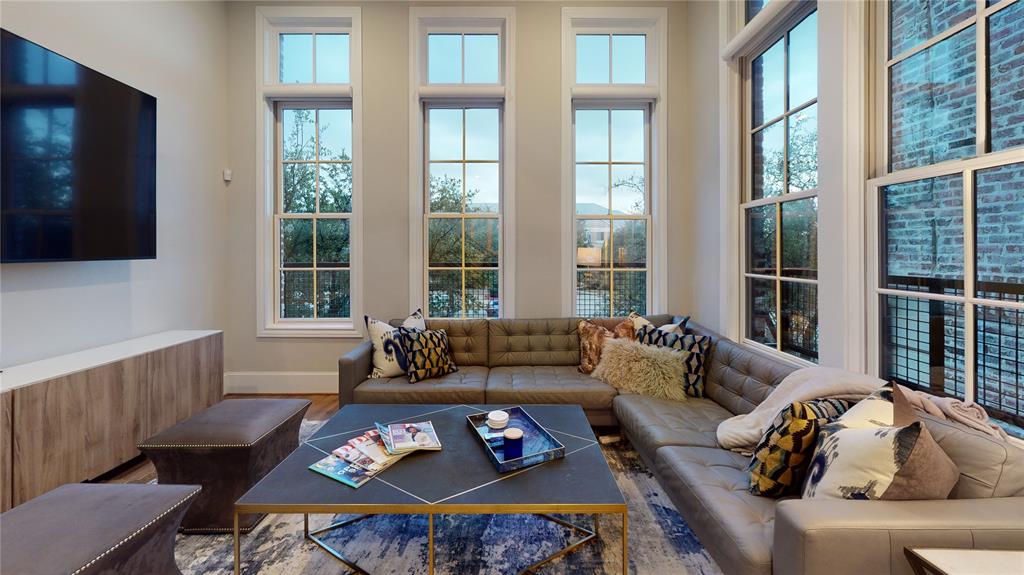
x: 592, y: 338
x: 634, y: 367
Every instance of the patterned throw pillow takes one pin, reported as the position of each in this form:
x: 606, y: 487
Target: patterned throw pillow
x: 781, y: 458
x: 693, y: 347
x: 640, y: 321
x: 388, y: 348
x: 592, y: 338
x: 427, y: 353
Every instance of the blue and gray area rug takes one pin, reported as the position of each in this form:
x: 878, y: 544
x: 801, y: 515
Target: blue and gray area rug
x: 660, y: 542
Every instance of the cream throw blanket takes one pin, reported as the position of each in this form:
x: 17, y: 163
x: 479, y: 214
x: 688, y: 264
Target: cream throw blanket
x: 744, y: 431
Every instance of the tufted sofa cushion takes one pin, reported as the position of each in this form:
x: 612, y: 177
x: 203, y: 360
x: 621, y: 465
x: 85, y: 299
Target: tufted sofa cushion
x: 463, y: 386
x: 651, y: 423
x: 467, y: 338
x: 737, y: 378
x: 709, y: 487
x: 552, y: 341
x: 547, y: 384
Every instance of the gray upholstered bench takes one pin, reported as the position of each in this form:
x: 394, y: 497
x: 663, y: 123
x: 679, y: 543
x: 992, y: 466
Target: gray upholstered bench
x: 226, y: 449
x: 95, y: 528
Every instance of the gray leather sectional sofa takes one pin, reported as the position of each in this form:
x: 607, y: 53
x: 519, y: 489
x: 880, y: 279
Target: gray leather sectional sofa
x: 534, y: 361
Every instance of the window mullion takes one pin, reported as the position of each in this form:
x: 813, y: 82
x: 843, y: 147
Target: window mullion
x: 969, y: 288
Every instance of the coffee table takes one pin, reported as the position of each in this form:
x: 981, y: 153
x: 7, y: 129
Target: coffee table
x: 457, y: 480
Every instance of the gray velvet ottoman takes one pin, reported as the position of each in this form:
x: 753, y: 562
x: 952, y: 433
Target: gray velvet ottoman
x: 227, y: 449
x: 95, y: 528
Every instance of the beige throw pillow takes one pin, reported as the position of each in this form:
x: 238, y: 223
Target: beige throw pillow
x: 634, y: 367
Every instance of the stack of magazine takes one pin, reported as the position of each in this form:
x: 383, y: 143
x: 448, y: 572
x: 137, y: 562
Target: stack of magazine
x: 364, y: 456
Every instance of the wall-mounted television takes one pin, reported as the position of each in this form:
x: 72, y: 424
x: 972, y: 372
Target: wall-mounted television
x: 78, y: 166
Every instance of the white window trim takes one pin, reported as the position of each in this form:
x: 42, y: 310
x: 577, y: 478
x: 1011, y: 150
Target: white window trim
x: 461, y: 19
x: 653, y: 22
x: 270, y: 21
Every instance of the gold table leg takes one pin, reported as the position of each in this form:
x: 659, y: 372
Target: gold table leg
x: 430, y: 544
x: 313, y: 536
x: 238, y: 560
x: 625, y: 543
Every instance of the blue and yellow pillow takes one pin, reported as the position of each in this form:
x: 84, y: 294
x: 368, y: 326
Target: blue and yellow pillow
x: 427, y: 354
x: 783, y: 455
x: 694, y: 351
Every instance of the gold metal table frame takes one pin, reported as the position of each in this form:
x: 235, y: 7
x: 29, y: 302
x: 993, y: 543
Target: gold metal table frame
x: 430, y: 510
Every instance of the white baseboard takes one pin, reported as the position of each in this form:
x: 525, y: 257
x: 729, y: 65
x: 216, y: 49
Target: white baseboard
x: 281, y: 382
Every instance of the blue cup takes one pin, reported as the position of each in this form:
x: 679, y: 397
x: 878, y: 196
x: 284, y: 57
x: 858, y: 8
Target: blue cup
x: 513, y: 446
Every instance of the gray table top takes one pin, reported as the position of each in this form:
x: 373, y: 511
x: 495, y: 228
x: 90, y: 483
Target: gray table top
x: 458, y: 479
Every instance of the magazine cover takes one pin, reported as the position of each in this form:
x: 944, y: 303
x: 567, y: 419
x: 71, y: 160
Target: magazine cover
x: 356, y: 457
x: 340, y: 470
x: 385, y: 435
x: 372, y: 446
x: 412, y: 436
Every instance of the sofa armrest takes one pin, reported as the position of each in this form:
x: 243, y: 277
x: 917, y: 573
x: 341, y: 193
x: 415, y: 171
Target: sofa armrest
x: 353, y: 367
x: 842, y: 537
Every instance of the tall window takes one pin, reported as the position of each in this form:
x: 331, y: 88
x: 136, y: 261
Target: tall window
x: 314, y: 210
x: 781, y: 205
x: 463, y: 220
x: 951, y: 283
x: 612, y: 210
x: 463, y: 108
x: 309, y: 171
x: 615, y: 179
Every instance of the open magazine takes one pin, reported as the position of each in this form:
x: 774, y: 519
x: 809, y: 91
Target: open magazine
x: 362, y: 457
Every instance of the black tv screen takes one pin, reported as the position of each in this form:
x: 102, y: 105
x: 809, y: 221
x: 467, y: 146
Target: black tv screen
x: 78, y: 160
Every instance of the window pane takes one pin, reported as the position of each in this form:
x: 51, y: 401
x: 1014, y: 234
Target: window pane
x: 800, y: 320
x: 1000, y: 360
x: 332, y: 243
x: 333, y: 297
x: 593, y: 293
x: 1006, y: 77
x: 628, y: 190
x: 803, y: 61
x: 591, y: 189
x: 296, y: 58
x: 332, y: 58
x: 446, y: 188
x: 768, y: 155
x: 444, y: 58
x: 932, y: 104
x: 923, y: 234
x: 761, y: 314
x: 481, y: 58
x: 999, y: 232
x: 445, y: 134
x: 444, y: 242
x: 761, y: 240
x: 444, y: 293
x: 911, y: 22
x: 482, y: 134
x: 800, y: 238
x: 296, y: 294
x: 336, y: 188
x: 753, y: 7
x: 592, y: 245
x: 803, y: 149
x: 296, y: 243
x: 298, y: 134
x: 768, y: 78
x: 630, y: 244
x: 482, y: 187
x: 482, y: 242
x: 592, y: 59
x: 335, y: 134
x: 482, y: 293
x: 299, y: 188
x: 630, y: 293
x: 628, y: 136
x: 629, y: 59
x: 591, y: 135
x: 923, y: 344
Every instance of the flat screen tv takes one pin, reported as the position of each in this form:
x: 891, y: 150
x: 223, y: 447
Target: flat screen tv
x: 78, y: 160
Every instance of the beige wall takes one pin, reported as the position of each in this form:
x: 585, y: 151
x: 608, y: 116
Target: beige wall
x: 692, y: 181
x: 176, y: 52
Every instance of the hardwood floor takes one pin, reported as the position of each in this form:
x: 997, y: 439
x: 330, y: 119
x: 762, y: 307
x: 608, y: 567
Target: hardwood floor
x: 140, y: 470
